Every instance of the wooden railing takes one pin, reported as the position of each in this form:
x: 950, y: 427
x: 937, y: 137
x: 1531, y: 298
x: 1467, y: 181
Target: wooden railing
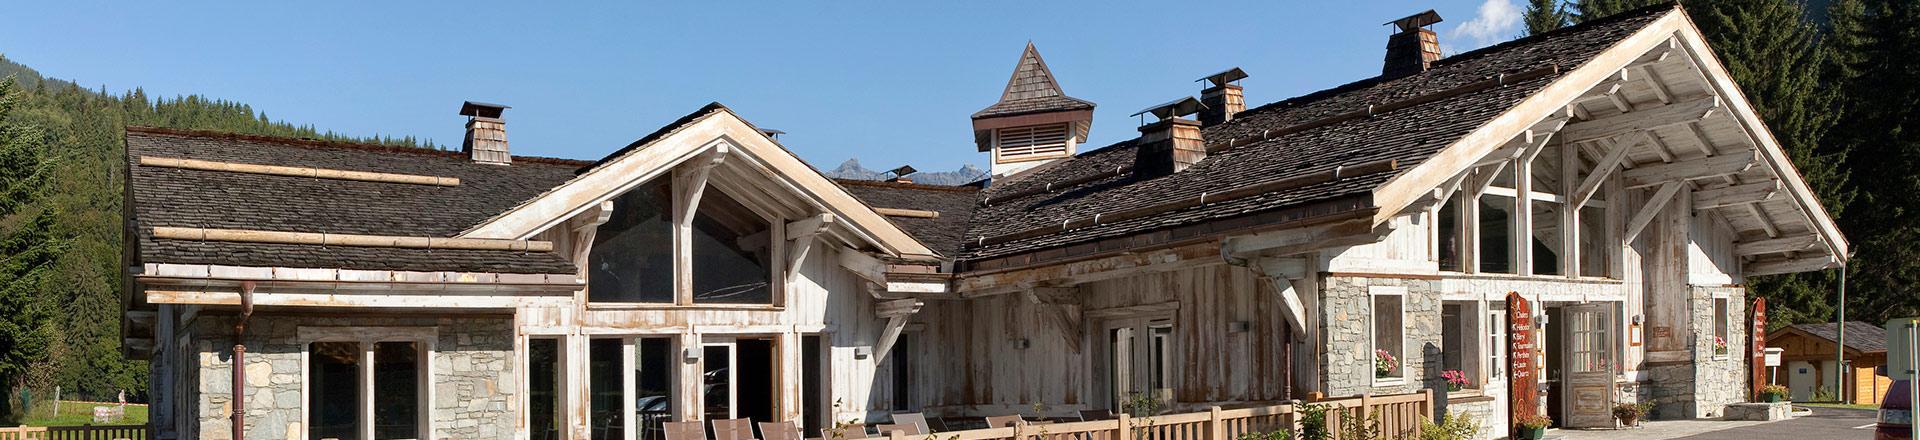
x: 1394, y: 416
x: 1399, y: 417
x: 83, y: 432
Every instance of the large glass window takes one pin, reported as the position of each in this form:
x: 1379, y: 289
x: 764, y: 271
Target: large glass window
x: 632, y: 255
x: 1594, y: 241
x: 1496, y: 234
x: 1460, y: 344
x: 1389, y: 355
x: 337, y: 389
x: 1545, y: 238
x: 732, y: 253
x: 606, y: 388
x: 653, y: 379
x: 543, y: 388
x: 1449, y: 231
x: 333, y: 390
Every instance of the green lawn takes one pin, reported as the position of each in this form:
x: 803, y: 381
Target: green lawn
x: 1813, y: 404
x: 78, y: 413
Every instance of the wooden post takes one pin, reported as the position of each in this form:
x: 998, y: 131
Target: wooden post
x: 1216, y: 431
x: 1125, y: 429
x: 1366, y: 408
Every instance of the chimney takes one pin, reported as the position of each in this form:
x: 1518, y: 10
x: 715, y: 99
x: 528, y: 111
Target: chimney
x: 1172, y: 143
x: 486, y: 140
x: 1222, y: 98
x: 1414, y: 48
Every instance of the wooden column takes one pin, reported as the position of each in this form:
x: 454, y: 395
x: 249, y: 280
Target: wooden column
x: 790, y: 379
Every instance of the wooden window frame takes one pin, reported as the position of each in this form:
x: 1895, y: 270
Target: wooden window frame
x: 425, y: 339
x: 1373, y: 334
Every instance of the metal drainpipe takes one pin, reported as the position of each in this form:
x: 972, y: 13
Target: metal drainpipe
x: 239, y: 362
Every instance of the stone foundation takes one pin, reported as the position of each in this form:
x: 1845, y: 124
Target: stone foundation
x: 1347, y: 323
x: 471, y: 374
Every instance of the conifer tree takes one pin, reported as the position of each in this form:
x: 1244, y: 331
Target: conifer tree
x: 1546, y: 15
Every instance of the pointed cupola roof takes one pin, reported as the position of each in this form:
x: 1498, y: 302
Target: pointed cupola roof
x: 1032, y: 97
x: 1032, y: 90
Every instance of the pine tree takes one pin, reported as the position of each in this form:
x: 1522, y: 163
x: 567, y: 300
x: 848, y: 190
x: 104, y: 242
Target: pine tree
x: 1875, y: 44
x: 1546, y: 15
x: 28, y: 247
x: 1592, y: 9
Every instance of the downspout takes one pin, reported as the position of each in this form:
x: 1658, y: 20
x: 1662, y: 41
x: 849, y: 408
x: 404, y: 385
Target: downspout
x: 239, y: 362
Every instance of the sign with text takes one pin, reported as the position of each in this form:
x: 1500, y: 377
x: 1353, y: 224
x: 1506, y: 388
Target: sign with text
x: 1523, y: 392
x: 1758, y: 348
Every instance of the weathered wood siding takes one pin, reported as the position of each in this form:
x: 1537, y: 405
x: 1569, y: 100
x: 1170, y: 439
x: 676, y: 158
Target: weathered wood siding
x: 975, y: 363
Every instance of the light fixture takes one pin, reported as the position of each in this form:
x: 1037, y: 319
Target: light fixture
x: 862, y: 352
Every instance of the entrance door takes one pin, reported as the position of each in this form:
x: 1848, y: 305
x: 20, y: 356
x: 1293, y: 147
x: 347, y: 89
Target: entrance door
x: 737, y: 378
x: 1139, y: 362
x: 1588, y: 366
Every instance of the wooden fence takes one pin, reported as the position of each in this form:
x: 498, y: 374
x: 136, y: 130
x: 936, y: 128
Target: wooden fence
x: 84, y: 432
x: 1399, y: 416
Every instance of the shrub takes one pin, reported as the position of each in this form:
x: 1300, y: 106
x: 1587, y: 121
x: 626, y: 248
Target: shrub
x: 1534, y: 422
x: 1453, y: 426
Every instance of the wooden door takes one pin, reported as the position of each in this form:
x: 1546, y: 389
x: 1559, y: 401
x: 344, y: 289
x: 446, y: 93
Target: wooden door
x: 1139, y: 362
x: 1589, y: 368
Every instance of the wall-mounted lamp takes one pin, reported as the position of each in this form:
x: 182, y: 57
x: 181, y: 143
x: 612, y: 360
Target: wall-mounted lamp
x: 862, y: 352
x: 692, y: 353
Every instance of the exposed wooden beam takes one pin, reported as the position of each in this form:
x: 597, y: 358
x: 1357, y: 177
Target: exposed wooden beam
x: 1654, y: 82
x: 897, y: 313
x: 1604, y: 167
x: 1650, y: 210
x: 689, y: 184
x: 1053, y: 295
x: 909, y: 213
x: 1795, y: 243
x: 1700, y: 168
x: 976, y: 285
x: 1766, y: 221
x: 864, y: 266
x: 1790, y: 265
x: 801, y: 236
x: 1735, y: 195
x: 1641, y: 120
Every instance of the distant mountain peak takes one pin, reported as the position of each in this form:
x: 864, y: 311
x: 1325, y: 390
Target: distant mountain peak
x: 852, y: 170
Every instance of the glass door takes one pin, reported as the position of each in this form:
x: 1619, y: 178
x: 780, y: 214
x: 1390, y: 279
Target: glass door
x: 738, y: 378
x: 1589, y: 366
x: 1140, y: 364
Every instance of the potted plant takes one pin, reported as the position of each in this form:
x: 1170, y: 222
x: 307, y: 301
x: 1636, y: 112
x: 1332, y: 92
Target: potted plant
x: 1456, y: 379
x: 1532, y: 427
x: 1719, y: 345
x: 1383, y: 364
x: 1773, y: 393
x: 1630, y: 414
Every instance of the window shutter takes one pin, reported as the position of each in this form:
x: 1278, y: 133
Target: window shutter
x: 1034, y: 142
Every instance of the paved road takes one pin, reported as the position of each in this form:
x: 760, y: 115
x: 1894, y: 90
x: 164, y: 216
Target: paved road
x: 1825, y: 423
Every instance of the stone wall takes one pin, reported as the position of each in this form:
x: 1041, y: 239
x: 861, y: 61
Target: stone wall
x: 1347, y: 323
x: 472, y: 374
x: 1703, y: 387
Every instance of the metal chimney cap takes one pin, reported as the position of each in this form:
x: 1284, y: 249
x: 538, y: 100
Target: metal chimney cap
x: 1224, y: 77
x: 1173, y: 109
x: 482, y: 109
x: 1416, y: 21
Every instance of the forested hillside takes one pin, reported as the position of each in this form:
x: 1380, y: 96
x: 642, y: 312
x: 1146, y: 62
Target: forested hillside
x: 61, y: 167
x: 1836, y: 87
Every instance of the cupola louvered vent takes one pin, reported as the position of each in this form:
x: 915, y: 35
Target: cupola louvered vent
x: 1031, y: 143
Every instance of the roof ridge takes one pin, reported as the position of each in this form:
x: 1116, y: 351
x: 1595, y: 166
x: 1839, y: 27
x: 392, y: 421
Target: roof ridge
x: 322, y: 143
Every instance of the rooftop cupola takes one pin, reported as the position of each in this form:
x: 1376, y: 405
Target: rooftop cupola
x: 486, y: 140
x: 1223, y: 97
x: 1034, y: 122
x: 1171, y: 143
x: 1414, y: 48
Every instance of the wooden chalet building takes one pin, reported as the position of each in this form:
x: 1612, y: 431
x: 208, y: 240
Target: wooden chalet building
x: 1603, y: 189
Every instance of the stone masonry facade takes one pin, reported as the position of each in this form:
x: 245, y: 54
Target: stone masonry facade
x: 1346, y: 321
x: 472, y: 387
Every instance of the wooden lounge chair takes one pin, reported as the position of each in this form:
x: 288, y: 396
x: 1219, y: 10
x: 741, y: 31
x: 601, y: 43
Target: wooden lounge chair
x: 1088, y: 415
x: 1003, y: 421
x: 685, y: 430
x: 733, y: 429
x: 905, y: 429
x: 779, y: 431
x: 918, y: 420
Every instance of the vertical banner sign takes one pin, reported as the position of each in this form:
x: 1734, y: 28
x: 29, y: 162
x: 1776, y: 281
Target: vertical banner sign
x: 1523, y: 393
x: 1757, y: 348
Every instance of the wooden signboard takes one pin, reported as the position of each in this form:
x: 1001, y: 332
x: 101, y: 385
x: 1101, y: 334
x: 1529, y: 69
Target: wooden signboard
x: 1757, y: 348
x: 1522, y: 387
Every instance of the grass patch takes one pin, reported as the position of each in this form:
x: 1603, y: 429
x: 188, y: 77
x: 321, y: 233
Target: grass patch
x: 1811, y: 404
x: 79, y: 413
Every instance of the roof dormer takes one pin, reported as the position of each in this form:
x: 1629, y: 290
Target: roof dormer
x: 1034, y: 122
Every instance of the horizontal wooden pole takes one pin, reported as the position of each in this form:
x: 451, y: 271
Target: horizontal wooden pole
x: 324, y: 239
x: 1735, y: 195
x: 910, y: 213
x: 276, y: 170
x: 1701, y: 168
x: 1775, y: 267
x: 1776, y: 245
x: 1641, y: 120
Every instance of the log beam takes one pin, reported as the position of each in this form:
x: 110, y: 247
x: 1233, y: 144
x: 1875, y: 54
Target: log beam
x: 1603, y: 168
x: 1790, y: 265
x: 1642, y: 120
x: 1700, y: 168
x: 1735, y: 195
x: 1795, y: 243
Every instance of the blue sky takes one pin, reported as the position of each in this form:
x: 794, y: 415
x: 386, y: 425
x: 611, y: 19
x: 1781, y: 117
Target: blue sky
x: 887, y: 82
